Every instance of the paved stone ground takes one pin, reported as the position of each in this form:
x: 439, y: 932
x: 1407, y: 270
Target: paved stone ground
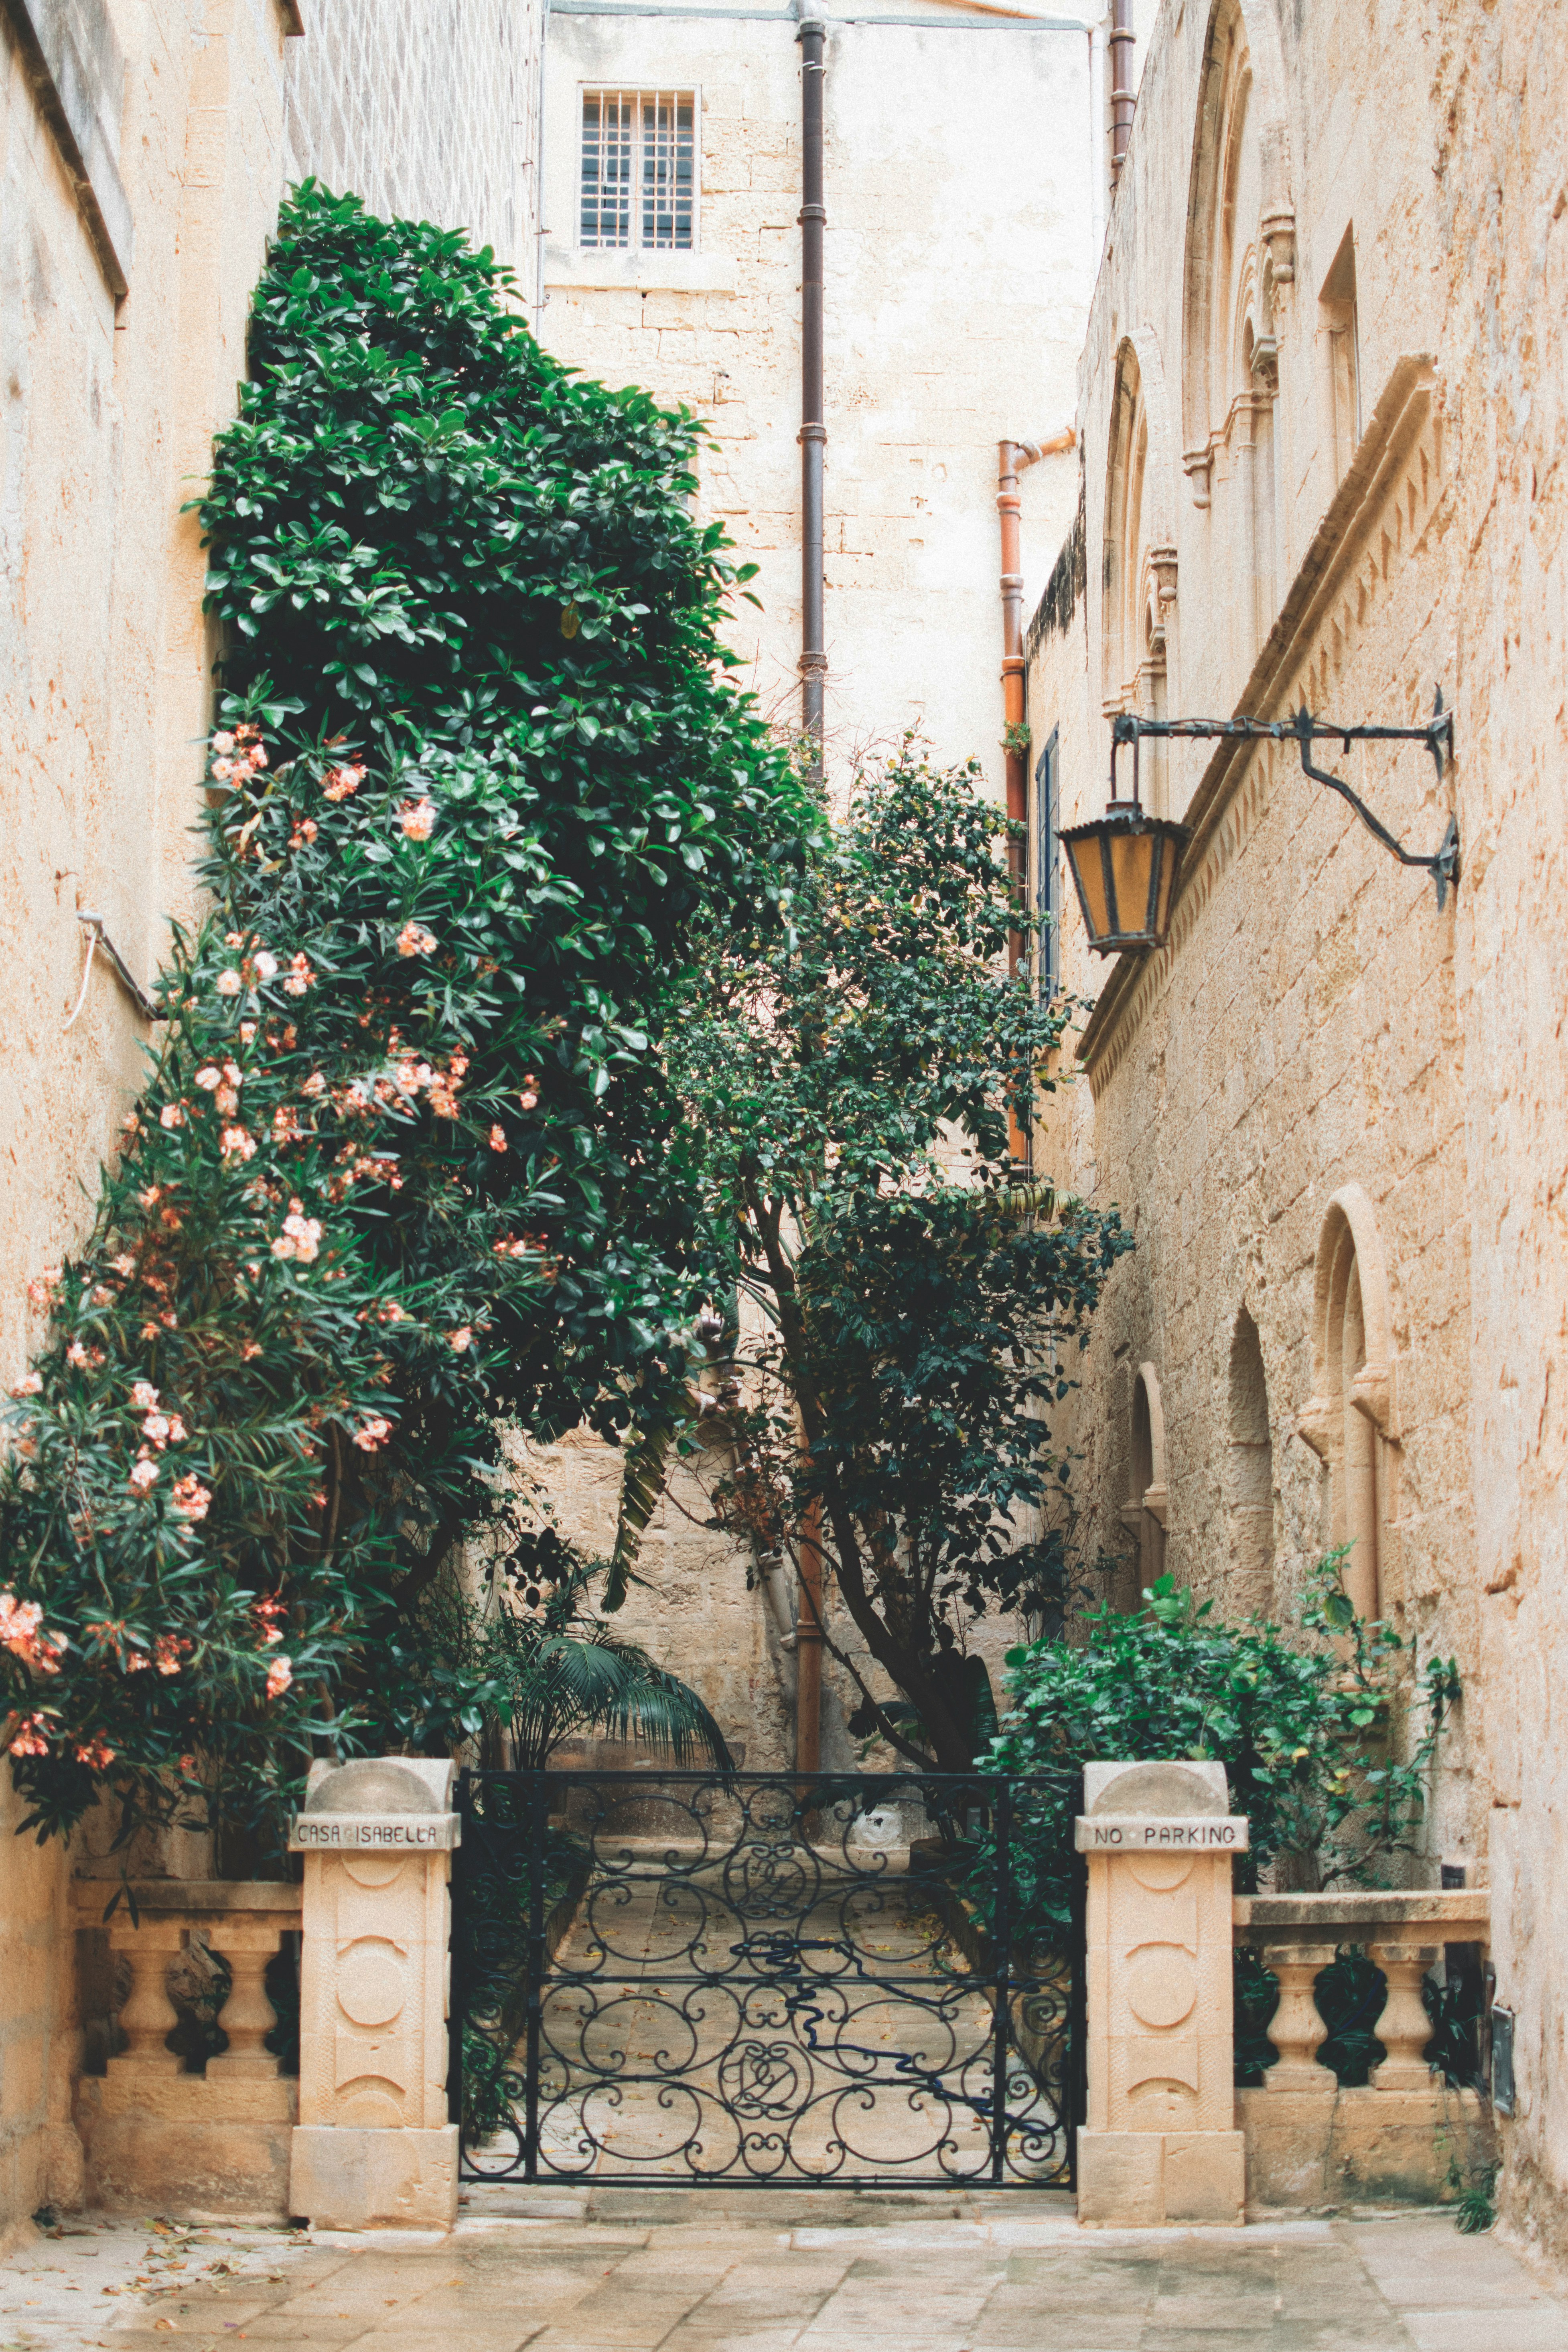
x: 717, y: 2272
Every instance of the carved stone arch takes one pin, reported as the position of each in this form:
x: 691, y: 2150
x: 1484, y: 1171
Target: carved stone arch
x: 1146, y: 1512
x: 1351, y: 1419
x: 1139, y: 572
x: 1241, y: 98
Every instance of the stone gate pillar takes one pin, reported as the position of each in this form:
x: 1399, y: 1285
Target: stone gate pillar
x: 373, y: 2147
x: 1161, y: 2143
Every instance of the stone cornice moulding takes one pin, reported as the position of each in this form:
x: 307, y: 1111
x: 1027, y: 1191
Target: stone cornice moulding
x: 77, y: 70
x: 1402, y: 409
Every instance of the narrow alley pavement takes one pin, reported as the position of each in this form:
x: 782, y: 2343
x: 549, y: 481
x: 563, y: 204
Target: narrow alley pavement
x: 813, y: 2271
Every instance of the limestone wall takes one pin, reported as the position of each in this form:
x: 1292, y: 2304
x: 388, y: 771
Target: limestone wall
x: 1322, y: 411
x: 960, y: 255
x: 144, y: 154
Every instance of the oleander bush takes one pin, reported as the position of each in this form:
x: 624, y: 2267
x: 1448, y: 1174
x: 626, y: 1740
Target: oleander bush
x: 405, y: 1168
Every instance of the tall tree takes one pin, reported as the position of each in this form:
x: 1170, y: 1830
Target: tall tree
x: 909, y: 1301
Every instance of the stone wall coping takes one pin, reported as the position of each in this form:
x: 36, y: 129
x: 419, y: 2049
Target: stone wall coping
x: 1456, y: 1914
x: 188, y: 1897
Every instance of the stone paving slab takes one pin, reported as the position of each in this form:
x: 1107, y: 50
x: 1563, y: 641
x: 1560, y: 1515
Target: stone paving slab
x: 703, y: 2271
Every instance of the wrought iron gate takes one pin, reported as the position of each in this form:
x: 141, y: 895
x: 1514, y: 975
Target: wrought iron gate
x: 757, y: 1979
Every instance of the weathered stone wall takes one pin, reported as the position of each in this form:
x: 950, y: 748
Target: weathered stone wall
x: 428, y: 112
x: 146, y: 149
x: 1320, y: 1070
x: 959, y: 261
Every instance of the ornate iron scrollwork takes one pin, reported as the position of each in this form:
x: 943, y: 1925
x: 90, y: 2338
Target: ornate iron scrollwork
x: 678, y: 1977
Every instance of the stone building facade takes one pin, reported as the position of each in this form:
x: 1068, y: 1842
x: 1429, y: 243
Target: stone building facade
x: 145, y: 153
x: 1322, y: 430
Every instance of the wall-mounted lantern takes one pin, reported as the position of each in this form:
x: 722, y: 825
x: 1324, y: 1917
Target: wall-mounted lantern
x: 1124, y: 866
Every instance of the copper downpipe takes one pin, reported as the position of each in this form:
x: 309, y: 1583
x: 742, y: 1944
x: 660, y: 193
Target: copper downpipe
x: 808, y: 1646
x: 1012, y: 458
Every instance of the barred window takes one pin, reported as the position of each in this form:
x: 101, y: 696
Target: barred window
x: 640, y: 169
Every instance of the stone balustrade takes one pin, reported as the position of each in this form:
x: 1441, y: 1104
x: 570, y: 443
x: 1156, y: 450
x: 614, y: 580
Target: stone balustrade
x: 1309, y: 2140
x: 153, y: 2134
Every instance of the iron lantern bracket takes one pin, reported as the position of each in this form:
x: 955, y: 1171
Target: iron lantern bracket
x: 1437, y: 734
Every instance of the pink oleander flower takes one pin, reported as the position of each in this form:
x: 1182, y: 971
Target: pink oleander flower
x: 41, y: 1289
x: 143, y: 1474
x: 271, y: 1612
x: 227, y: 1101
x: 75, y: 1354
x: 27, y: 1737
x: 301, y: 1237
x: 168, y: 1651
x: 223, y: 744
x: 144, y: 1396
x: 228, y: 984
x: 498, y: 1137
x: 266, y: 964
x: 21, y: 1623
x: 315, y: 1084
x: 461, y: 1339
x: 299, y: 975
x: 124, y: 1263
x: 418, y: 819
x: 237, y: 1144
x: 414, y: 939
x: 171, y: 1116
x: 192, y: 1499
x: 374, y: 1434
x: 340, y: 782
x: 156, y: 1428
x: 209, y: 1077
x: 29, y: 1384
x: 279, y: 1674
x: 96, y: 1753
x: 529, y: 1099
x: 177, y: 1431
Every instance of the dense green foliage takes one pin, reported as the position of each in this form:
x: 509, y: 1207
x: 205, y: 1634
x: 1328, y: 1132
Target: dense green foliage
x: 406, y: 1164
x: 1311, y: 1732
x: 910, y: 1303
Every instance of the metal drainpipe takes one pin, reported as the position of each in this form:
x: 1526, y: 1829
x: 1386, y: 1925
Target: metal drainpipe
x: 1012, y: 458
x: 812, y: 38
x: 1122, y: 101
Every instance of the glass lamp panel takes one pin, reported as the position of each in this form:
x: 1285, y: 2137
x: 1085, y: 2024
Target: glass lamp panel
x: 1132, y: 858
x: 1088, y: 873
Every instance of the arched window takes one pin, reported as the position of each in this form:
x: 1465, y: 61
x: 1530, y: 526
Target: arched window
x: 1140, y: 577
x: 1352, y: 1420
x: 1249, y: 1476
x: 1240, y: 252
x: 1144, y: 1514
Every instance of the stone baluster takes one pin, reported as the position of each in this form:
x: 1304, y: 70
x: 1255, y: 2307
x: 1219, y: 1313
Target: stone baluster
x: 1405, y: 2028
x: 149, y: 2016
x: 1296, y: 2030
x: 247, y: 2017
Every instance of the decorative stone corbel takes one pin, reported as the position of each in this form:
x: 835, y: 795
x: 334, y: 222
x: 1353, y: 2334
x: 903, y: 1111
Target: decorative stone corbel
x: 1315, y: 1424
x: 1197, y: 464
x: 1265, y: 363
x: 1163, y: 564
x: 1372, y: 1393
x: 1157, y: 1502
x: 1131, y: 1514
x: 1277, y: 230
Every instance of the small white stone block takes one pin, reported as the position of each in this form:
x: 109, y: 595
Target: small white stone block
x: 344, y: 2178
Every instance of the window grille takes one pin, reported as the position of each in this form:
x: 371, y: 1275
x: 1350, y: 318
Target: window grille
x: 639, y: 170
